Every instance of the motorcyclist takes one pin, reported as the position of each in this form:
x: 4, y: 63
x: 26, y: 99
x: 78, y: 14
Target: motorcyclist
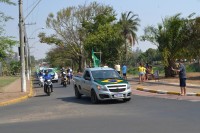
x: 62, y: 74
x: 69, y: 75
x: 40, y: 73
x: 46, y: 77
x: 40, y: 78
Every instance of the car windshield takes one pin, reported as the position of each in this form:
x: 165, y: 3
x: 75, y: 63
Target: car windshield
x: 50, y: 70
x: 105, y: 74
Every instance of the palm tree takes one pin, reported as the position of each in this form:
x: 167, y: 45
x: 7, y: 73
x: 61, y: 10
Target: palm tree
x: 129, y: 23
x: 172, y: 37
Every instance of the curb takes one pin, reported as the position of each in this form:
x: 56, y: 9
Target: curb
x: 19, y: 99
x: 166, y: 92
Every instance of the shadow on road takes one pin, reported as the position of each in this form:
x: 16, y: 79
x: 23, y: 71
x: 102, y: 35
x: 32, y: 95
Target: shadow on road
x: 43, y: 95
x: 86, y: 100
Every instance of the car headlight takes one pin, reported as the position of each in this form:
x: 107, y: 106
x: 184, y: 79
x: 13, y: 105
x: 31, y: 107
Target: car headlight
x: 128, y: 86
x: 102, y: 88
x: 56, y: 75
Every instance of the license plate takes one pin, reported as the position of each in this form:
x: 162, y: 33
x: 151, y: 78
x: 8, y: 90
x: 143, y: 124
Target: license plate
x: 118, y: 95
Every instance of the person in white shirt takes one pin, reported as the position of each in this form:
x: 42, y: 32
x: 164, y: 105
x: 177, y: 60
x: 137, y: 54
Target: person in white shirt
x: 117, y: 68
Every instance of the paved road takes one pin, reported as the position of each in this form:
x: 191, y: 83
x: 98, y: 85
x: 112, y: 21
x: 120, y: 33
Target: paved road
x: 62, y: 113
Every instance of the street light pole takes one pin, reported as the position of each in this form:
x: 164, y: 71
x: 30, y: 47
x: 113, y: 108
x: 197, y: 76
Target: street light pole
x: 21, y: 37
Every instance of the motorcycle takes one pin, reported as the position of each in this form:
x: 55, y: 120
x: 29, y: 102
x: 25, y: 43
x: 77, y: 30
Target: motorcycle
x: 41, y: 81
x: 64, y: 82
x: 48, y: 87
x: 69, y: 75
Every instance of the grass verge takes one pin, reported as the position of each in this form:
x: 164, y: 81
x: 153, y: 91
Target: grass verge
x: 4, y: 81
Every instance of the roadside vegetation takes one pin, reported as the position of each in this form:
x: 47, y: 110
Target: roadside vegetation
x: 95, y: 26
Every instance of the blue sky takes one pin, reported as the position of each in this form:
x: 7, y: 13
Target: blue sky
x: 151, y: 12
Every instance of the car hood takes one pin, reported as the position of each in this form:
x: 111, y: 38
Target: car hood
x: 52, y: 73
x: 111, y: 81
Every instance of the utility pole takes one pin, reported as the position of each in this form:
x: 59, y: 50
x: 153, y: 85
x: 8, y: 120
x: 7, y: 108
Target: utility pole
x: 21, y: 37
x: 26, y: 53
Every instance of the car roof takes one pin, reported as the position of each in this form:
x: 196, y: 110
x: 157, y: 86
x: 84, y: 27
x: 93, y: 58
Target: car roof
x: 99, y: 68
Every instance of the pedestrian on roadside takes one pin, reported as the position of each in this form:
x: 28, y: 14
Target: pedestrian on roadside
x: 141, y: 74
x: 124, y: 71
x: 117, y: 68
x: 182, y: 76
x: 105, y: 65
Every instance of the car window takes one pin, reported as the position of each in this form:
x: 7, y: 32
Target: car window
x: 50, y: 70
x: 87, y: 75
x: 105, y: 74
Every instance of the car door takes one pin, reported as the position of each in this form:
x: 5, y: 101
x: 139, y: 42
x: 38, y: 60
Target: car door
x: 87, y: 83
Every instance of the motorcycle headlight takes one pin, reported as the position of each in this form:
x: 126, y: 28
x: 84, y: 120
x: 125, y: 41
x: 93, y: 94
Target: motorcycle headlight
x: 49, y: 80
x: 102, y: 88
x: 128, y: 86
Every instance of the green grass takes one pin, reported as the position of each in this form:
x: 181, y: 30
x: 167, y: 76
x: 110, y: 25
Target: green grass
x: 6, y: 81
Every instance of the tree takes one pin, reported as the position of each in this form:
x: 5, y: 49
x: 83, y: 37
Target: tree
x: 103, y: 34
x: 171, y: 37
x: 58, y: 57
x: 193, y: 49
x: 69, y: 31
x: 129, y: 23
x: 108, y: 40
x: 6, y: 42
x: 8, y: 2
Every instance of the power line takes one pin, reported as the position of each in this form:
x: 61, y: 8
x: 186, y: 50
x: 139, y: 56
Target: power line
x: 30, y: 6
x: 32, y: 9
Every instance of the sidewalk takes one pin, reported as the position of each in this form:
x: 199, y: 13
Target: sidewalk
x: 163, y: 87
x: 12, y: 93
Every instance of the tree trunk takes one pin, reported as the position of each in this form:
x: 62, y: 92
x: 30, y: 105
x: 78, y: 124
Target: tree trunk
x: 168, y: 69
x: 80, y: 64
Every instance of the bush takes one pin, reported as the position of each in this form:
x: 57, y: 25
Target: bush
x: 193, y: 67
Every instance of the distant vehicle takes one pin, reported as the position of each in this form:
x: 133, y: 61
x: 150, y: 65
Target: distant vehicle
x: 53, y: 73
x: 102, y: 84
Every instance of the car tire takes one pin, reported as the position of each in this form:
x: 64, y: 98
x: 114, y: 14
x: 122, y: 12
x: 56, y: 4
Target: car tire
x: 77, y: 93
x: 94, y: 98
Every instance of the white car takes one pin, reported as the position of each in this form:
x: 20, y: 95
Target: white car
x: 54, y: 74
x: 102, y: 83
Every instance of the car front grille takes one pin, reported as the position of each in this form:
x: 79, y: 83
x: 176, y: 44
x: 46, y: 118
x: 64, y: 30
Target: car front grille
x: 116, y: 88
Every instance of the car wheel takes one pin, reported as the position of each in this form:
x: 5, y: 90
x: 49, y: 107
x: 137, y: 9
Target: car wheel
x: 94, y: 98
x: 77, y: 93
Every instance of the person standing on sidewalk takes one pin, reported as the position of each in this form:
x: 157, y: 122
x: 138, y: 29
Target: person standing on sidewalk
x: 141, y: 73
x: 117, y: 68
x: 124, y: 71
x: 182, y: 76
